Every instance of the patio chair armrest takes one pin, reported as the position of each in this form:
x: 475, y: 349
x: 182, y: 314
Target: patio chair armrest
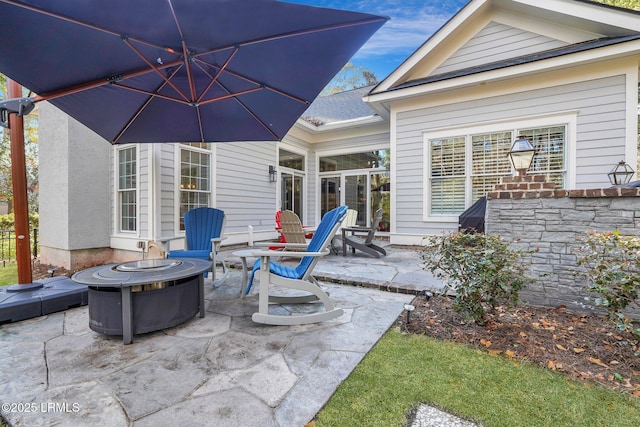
x: 362, y: 229
x: 165, y: 242
x: 216, y: 241
x: 293, y: 254
x: 280, y: 245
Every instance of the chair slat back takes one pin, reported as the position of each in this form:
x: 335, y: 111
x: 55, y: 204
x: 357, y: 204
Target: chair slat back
x: 350, y: 219
x: 321, y: 238
x: 291, y: 227
x: 375, y: 223
x: 201, y: 225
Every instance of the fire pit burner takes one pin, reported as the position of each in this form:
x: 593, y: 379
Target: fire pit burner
x: 148, y: 265
x: 143, y: 296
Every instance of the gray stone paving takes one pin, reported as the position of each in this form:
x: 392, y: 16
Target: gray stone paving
x: 221, y: 370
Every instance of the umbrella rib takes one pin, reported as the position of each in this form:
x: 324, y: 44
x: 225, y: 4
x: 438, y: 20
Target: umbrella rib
x: 131, y: 120
x: 214, y: 79
x: 101, y: 82
x: 185, y: 53
x: 152, y: 94
x: 142, y: 107
x: 258, y: 119
x: 230, y: 95
x: 250, y: 80
x: 248, y: 110
x: 187, y: 62
x: 156, y: 70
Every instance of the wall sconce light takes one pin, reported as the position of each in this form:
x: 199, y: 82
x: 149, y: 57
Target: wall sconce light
x: 621, y: 173
x: 273, y: 177
x: 521, y: 155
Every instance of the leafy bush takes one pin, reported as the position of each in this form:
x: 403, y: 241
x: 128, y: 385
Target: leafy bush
x: 7, y: 221
x: 612, y: 267
x: 482, y: 270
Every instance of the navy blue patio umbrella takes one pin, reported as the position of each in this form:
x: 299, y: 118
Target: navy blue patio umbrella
x: 138, y: 71
x: 178, y: 70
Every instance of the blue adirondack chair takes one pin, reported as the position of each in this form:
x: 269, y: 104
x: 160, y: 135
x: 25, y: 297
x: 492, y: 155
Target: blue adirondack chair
x: 298, y: 277
x: 204, y: 228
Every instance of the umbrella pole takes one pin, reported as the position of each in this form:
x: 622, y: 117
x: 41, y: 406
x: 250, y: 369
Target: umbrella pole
x: 19, y: 180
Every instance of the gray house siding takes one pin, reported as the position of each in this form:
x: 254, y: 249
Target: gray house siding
x: 496, y: 42
x: 593, y: 100
x: 242, y: 184
x: 167, y: 182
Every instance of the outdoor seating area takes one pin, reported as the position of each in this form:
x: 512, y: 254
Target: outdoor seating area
x: 244, y: 213
x: 201, y: 369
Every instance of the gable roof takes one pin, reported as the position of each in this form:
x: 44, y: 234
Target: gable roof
x: 552, y: 53
x: 575, y: 21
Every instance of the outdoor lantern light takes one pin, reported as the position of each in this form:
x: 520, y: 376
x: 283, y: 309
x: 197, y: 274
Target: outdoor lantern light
x: 272, y: 174
x: 621, y: 173
x: 521, y: 155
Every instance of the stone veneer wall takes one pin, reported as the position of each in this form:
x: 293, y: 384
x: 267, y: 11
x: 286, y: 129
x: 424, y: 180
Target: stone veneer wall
x: 534, y: 215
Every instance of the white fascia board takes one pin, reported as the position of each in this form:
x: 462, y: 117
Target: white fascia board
x: 564, y: 61
x: 589, y: 12
x: 438, y: 37
x: 343, y: 124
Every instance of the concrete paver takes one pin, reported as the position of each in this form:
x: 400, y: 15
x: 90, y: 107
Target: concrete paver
x: 220, y: 370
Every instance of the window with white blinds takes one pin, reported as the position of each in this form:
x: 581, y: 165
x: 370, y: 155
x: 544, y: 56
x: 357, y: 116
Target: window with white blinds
x: 195, y: 177
x: 127, y: 189
x: 447, y: 175
x: 463, y: 169
x: 549, y: 144
x: 489, y: 161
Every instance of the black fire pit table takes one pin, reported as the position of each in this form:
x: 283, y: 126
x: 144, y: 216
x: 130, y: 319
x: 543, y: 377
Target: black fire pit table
x: 143, y: 296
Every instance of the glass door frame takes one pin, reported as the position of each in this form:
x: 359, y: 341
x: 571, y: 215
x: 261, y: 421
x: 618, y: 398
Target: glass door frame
x: 364, y: 219
x: 298, y: 200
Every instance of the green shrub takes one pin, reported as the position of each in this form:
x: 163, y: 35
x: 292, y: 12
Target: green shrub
x: 612, y: 267
x: 482, y: 269
x: 7, y: 221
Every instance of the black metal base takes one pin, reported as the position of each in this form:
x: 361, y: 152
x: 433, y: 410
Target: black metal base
x: 21, y: 302
x: 152, y: 310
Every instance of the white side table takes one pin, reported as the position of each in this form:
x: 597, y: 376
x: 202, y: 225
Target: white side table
x: 243, y: 255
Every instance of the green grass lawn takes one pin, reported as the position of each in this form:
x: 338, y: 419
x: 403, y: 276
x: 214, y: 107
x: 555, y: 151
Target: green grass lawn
x: 403, y: 370
x: 8, y: 274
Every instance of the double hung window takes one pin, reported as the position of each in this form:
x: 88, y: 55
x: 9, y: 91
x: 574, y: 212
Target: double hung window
x: 195, y: 177
x: 463, y: 168
x: 127, y: 189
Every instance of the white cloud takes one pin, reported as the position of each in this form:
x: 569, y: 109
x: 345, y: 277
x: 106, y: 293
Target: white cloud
x: 411, y: 24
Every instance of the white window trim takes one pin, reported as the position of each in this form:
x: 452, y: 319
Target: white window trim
x: 116, y: 191
x: 178, y: 177
x: 565, y: 118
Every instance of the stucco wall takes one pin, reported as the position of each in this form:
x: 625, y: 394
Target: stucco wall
x: 74, y: 206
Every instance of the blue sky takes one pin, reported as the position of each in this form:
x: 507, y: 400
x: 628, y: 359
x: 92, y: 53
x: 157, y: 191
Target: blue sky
x: 412, y: 23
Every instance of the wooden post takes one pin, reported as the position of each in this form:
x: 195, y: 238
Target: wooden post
x: 19, y: 179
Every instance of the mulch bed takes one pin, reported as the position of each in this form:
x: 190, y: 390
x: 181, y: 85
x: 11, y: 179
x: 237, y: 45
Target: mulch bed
x: 583, y: 346
x: 42, y: 271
